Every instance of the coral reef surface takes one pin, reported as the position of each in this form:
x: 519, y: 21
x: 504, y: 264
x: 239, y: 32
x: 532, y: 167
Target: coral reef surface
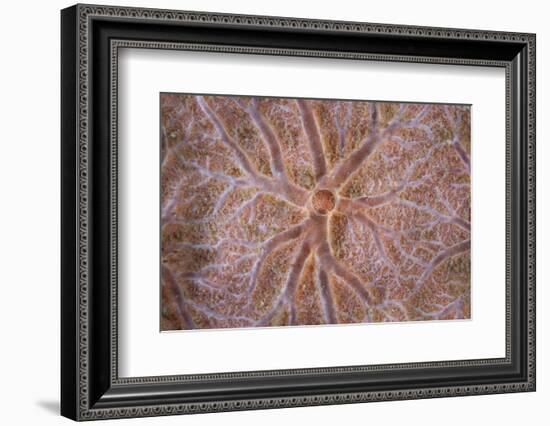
x: 280, y: 211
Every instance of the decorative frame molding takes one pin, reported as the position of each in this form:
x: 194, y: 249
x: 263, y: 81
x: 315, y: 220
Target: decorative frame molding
x: 91, y: 37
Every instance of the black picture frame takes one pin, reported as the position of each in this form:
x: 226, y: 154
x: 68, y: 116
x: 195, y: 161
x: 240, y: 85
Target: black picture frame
x: 90, y: 38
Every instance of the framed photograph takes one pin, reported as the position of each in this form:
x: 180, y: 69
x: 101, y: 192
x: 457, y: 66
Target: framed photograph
x: 263, y: 212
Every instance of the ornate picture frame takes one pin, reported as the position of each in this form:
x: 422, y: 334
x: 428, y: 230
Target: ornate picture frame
x: 91, y: 38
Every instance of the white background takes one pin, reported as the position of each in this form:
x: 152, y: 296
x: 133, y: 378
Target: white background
x: 146, y: 352
x: 29, y: 229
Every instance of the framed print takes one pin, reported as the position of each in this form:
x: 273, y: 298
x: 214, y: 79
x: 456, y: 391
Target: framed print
x: 263, y: 212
